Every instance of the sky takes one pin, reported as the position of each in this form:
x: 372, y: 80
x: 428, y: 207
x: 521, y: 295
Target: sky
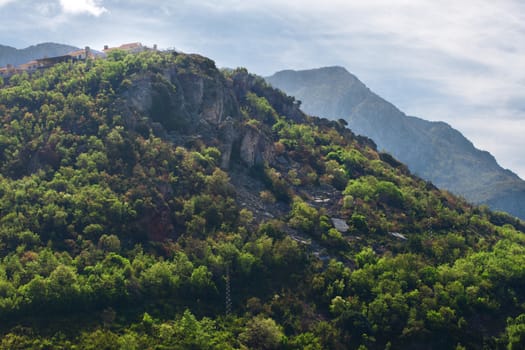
x: 462, y: 62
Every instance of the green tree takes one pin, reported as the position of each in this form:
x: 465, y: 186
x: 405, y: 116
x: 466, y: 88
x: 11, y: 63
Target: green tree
x: 262, y: 334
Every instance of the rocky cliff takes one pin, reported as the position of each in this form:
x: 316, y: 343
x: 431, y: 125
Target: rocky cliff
x: 193, y: 100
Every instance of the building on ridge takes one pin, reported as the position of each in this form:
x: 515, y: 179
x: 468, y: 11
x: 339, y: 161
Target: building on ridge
x: 131, y: 48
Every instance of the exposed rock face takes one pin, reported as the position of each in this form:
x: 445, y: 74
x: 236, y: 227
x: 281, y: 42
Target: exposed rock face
x: 182, y: 99
x: 140, y: 95
x: 255, y: 148
x: 433, y: 150
x: 228, y: 134
x: 205, y: 96
x: 194, y: 98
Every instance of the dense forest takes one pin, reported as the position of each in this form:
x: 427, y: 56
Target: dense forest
x: 152, y: 201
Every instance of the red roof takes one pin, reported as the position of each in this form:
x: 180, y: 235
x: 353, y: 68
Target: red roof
x: 130, y: 46
x: 125, y: 47
x: 77, y: 53
x: 28, y: 65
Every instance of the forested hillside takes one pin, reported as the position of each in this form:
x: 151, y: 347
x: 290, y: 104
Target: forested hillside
x: 151, y: 201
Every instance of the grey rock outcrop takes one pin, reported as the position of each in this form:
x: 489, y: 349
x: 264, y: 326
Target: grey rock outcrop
x: 340, y: 225
x: 255, y: 149
x: 196, y: 99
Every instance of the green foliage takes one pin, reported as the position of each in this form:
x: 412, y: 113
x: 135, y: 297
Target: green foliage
x: 260, y: 108
x: 515, y: 332
x: 304, y: 217
x: 262, y: 334
x: 117, y: 232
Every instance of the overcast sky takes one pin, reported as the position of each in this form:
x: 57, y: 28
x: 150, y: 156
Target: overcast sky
x: 462, y: 62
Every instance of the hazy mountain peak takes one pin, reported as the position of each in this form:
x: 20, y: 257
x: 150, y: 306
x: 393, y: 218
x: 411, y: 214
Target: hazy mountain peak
x: 433, y: 150
x: 313, y: 87
x: 316, y: 71
x: 324, y: 75
x: 14, y: 56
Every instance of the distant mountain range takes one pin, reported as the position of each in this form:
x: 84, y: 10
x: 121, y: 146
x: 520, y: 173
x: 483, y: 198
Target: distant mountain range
x: 11, y: 55
x: 433, y: 150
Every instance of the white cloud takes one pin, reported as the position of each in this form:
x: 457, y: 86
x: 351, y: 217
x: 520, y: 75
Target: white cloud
x: 75, y: 7
x: 471, y: 52
x: 5, y: 2
x: 48, y: 10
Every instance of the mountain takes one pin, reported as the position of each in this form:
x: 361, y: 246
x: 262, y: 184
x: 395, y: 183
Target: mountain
x: 153, y: 201
x: 11, y: 55
x: 432, y: 150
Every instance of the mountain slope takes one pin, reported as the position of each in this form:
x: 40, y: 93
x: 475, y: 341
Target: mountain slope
x: 153, y: 201
x: 433, y: 150
x: 11, y: 55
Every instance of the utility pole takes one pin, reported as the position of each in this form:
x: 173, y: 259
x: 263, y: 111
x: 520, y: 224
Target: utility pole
x: 228, y: 292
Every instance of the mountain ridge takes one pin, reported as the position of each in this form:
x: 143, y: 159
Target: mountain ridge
x: 14, y: 56
x: 433, y: 150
